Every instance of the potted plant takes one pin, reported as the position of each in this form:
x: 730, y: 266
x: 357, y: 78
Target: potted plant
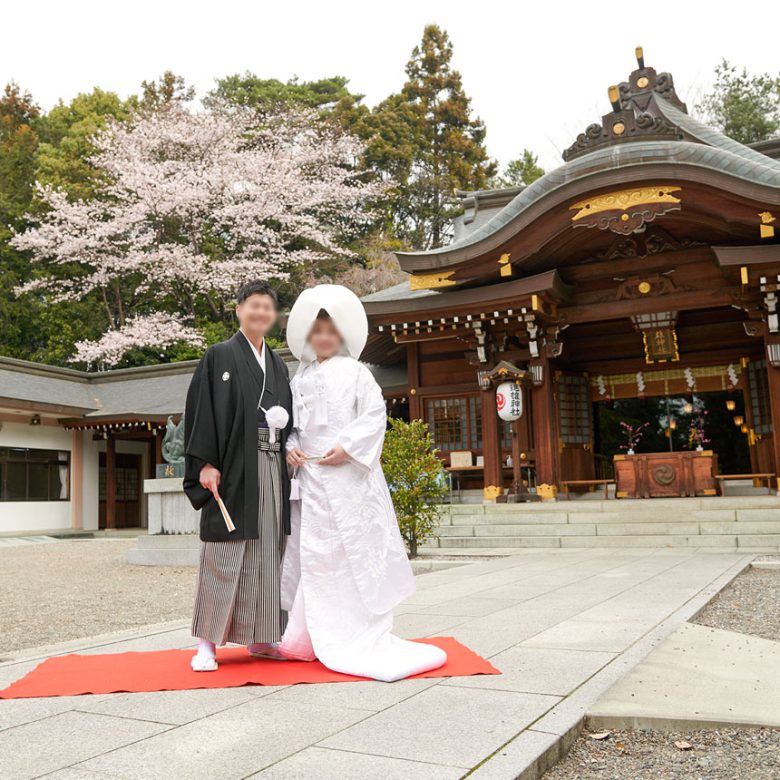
x: 696, y: 435
x: 633, y: 434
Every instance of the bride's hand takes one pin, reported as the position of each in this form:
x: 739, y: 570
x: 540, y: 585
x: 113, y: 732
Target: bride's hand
x: 296, y: 457
x: 335, y: 456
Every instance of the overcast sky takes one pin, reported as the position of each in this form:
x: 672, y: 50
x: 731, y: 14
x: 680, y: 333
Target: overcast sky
x: 537, y: 72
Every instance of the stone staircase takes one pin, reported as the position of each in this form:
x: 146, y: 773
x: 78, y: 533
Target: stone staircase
x: 751, y: 523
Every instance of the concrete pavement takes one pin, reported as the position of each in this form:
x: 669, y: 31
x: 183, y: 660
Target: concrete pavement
x: 562, y: 625
x: 700, y: 677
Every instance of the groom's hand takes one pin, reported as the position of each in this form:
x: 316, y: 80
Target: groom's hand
x: 296, y: 457
x: 334, y: 457
x: 209, y: 478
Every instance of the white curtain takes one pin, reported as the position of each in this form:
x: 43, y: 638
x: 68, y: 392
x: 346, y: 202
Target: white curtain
x: 63, y: 474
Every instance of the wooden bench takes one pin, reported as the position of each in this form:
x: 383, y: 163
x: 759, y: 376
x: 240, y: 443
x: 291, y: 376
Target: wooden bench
x: 589, y: 483
x: 763, y: 476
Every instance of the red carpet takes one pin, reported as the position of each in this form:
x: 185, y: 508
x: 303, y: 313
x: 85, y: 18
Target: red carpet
x: 169, y: 670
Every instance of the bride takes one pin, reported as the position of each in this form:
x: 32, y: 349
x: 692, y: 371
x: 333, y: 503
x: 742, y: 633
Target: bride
x: 345, y: 566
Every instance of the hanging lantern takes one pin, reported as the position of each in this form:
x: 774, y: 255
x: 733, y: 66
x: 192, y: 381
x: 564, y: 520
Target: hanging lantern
x: 743, y: 428
x: 738, y: 420
x: 688, y: 407
x: 509, y: 401
x: 673, y: 424
x: 731, y: 404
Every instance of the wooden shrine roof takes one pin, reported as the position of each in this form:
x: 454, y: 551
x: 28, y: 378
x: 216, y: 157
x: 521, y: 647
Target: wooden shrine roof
x: 647, y: 140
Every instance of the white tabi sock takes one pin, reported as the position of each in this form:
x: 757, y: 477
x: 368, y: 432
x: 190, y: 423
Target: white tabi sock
x: 205, y: 660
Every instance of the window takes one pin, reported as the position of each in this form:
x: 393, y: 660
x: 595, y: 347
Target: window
x: 759, y: 397
x: 574, y: 409
x: 34, y: 475
x: 449, y: 421
x: 456, y: 424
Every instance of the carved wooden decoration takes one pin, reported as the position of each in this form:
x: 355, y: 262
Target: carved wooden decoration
x: 646, y: 286
x: 431, y: 281
x: 626, y: 211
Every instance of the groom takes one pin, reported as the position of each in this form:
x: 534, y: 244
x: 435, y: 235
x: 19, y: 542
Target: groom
x: 231, y: 454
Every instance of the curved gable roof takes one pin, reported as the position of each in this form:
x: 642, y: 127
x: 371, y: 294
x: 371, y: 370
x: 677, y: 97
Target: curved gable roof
x: 692, y: 151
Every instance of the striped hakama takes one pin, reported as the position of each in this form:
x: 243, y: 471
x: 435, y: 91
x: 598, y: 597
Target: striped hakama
x: 237, y: 598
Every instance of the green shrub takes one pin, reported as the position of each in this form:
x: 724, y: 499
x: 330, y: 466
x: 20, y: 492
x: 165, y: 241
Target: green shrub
x: 416, y: 479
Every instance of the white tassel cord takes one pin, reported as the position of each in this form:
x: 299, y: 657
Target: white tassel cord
x: 277, y: 419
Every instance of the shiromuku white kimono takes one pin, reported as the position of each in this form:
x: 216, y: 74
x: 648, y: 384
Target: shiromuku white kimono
x: 345, y: 565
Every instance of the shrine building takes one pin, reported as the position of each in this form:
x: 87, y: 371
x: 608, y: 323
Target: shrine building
x: 635, y: 285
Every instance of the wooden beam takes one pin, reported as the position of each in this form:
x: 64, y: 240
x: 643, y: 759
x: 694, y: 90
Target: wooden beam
x: 758, y: 254
x: 615, y: 310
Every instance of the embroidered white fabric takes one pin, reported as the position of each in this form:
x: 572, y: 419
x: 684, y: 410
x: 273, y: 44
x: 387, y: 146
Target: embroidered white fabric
x: 345, y: 565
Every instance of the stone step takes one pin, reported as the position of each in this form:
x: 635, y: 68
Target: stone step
x: 754, y: 542
x: 477, y: 542
x: 517, y: 529
x: 631, y: 505
x: 465, y: 555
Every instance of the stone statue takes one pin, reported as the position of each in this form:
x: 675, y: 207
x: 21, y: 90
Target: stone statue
x: 173, y: 442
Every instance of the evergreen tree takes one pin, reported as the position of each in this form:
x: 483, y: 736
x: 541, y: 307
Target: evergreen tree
x: 743, y: 106
x: 450, y: 151
x: 18, y: 144
x: 270, y: 95
x: 522, y: 171
x: 63, y: 159
x: 168, y: 89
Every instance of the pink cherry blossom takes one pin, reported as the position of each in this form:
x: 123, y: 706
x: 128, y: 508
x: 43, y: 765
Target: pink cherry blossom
x: 193, y: 204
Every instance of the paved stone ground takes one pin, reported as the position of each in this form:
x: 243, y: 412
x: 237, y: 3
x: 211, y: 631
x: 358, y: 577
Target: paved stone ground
x: 562, y: 625
x: 78, y: 588
x: 699, y: 677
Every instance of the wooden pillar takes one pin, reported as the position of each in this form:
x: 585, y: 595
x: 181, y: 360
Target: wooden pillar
x: 76, y: 479
x: 491, y: 445
x: 545, y: 424
x: 110, y: 482
x: 521, y: 443
x: 158, y: 456
x: 773, y: 385
x: 413, y: 374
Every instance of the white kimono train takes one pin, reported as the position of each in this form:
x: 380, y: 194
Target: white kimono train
x: 345, y: 565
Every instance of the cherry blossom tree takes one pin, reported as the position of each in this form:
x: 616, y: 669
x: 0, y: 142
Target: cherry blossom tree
x: 189, y: 206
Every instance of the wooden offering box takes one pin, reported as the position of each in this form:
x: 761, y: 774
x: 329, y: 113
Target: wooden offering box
x: 665, y: 474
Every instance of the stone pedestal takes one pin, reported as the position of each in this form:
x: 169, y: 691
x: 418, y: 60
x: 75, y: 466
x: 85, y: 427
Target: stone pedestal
x: 169, y: 510
x: 173, y: 527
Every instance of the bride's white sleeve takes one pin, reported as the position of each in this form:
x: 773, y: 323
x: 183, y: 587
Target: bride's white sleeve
x: 363, y: 438
x: 293, y: 440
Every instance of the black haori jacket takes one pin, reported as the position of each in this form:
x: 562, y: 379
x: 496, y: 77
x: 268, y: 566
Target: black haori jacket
x: 220, y: 428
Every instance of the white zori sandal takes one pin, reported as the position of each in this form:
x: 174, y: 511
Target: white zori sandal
x: 203, y: 663
x: 268, y: 650
x: 205, y: 659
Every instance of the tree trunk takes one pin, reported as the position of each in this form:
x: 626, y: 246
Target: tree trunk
x: 413, y: 547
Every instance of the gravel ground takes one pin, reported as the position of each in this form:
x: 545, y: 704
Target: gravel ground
x: 749, y: 605
x: 72, y: 589
x: 722, y: 754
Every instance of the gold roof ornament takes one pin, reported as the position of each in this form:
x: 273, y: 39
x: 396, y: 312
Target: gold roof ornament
x: 431, y: 281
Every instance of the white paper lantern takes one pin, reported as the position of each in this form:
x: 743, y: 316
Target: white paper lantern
x: 509, y: 401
